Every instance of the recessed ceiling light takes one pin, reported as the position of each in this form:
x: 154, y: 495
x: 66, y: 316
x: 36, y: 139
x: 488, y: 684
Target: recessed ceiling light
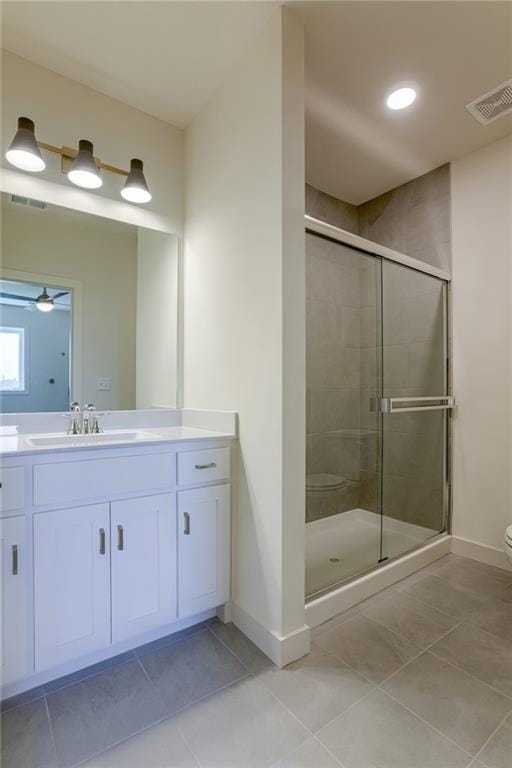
x: 401, y: 98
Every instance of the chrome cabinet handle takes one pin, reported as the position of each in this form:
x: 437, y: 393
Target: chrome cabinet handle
x: 186, y: 529
x: 206, y: 466
x: 102, y: 541
x: 120, y: 538
x: 14, y: 559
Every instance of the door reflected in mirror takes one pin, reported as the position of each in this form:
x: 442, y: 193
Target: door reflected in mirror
x: 88, y: 311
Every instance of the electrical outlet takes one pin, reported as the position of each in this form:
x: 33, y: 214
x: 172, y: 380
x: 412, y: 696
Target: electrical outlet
x: 104, y: 384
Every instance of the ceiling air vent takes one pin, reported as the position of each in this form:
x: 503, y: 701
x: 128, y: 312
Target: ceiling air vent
x: 28, y: 201
x: 492, y: 105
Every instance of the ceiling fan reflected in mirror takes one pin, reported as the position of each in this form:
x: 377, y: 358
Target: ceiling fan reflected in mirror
x: 44, y: 302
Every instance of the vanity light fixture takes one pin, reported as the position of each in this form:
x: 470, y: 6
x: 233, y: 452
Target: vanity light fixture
x: 401, y: 98
x: 81, y: 167
x: 135, y: 189
x: 84, y: 171
x: 24, y: 152
x: 44, y: 302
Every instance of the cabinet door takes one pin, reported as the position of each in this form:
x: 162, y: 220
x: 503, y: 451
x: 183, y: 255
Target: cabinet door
x: 204, y: 546
x: 143, y: 535
x: 14, y: 595
x: 71, y: 583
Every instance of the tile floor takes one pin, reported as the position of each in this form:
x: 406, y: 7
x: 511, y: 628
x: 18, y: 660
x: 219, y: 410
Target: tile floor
x: 419, y: 676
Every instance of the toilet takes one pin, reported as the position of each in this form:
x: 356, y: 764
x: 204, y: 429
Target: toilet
x: 508, y: 543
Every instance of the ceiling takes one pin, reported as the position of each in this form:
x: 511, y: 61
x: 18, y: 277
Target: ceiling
x: 167, y: 58
x: 356, y: 148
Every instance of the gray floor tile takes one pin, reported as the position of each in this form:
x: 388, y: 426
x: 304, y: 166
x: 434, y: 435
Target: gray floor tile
x: 483, y: 655
x: 26, y: 737
x: 187, y: 671
x: 311, y: 754
x: 445, y: 596
x: 243, y: 726
x: 97, y: 713
x: 418, y: 622
x: 160, y: 746
x: 22, y: 698
x: 316, y: 688
x: 378, y: 731
x: 83, y: 674
x: 495, y: 616
x: 176, y: 637
x: 507, y: 596
x: 369, y: 648
x: 460, y: 706
x: 477, y: 577
x: 340, y: 618
x: 498, y: 752
x: 250, y: 656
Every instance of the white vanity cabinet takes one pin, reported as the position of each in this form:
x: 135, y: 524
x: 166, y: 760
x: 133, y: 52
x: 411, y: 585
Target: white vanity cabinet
x: 143, y: 547
x: 204, y: 534
x: 111, y: 548
x: 13, y: 569
x: 71, y: 583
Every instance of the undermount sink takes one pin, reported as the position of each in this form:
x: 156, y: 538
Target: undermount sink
x: 91, y: 439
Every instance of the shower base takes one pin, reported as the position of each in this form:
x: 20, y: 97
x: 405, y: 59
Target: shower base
x: 343, y: 545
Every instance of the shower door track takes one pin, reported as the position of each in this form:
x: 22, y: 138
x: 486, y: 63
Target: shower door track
x: 330, y: 232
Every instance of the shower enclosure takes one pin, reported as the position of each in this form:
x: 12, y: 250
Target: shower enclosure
x: 377, y: 408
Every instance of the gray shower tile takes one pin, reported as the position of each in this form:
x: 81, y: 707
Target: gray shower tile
x: 483, y: 655
x: 97, y: 713
x: 445, y: 596
x: 378, y: 731
x: 497, y: 753
x: 188, y: 671
x: 369, y: 648
x: 248, y: 653
x: 160, y: 746
x: 311, y: 754
x: 316, y: 688
x: 242, y: 726
x: 463, y: 708
x: 419, y: 623
x: 26, y: 738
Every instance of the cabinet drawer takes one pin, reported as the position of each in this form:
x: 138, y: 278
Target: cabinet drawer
x: 203, y: 466
x: 69, y: 481
x: 12, y: 488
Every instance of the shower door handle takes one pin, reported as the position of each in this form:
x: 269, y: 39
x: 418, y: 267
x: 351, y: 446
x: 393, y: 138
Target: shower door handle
x: 416, y: 404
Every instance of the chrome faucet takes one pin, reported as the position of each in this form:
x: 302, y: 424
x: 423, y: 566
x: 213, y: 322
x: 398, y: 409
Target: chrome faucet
x: 84, y: 422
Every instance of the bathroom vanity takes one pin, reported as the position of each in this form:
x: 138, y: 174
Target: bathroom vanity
x: 110, y: 541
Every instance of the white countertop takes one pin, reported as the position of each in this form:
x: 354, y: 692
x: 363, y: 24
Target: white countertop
x: 21, y: 445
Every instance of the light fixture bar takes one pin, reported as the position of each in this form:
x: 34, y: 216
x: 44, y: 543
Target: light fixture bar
x: 68, y: 154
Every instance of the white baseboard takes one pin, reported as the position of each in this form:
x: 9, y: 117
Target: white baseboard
x: 325, y: 607
x: 481, y: 552
x: 281, y: 649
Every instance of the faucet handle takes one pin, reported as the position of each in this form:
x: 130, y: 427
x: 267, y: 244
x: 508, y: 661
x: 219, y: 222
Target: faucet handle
x: 89, y: 407
x: 74, y: 406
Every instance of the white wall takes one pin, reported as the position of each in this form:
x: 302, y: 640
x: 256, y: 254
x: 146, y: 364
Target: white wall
x: 104, y: 260
x: 157, y: 319
x: 482, y: 338
x: 244, y: 307
x: 65, y: 111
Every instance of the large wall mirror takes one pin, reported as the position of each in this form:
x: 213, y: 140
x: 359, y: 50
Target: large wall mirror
x: 88, y: 311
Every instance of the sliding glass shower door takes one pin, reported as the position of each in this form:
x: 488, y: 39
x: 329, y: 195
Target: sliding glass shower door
x: 414, y: 408
x: 377, y: 405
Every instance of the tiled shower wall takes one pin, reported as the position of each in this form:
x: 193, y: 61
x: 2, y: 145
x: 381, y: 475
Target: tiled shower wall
x: 413, y: 218
x: 343, y: 357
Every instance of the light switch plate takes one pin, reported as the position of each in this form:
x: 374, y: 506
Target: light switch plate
x: 103, y: 384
